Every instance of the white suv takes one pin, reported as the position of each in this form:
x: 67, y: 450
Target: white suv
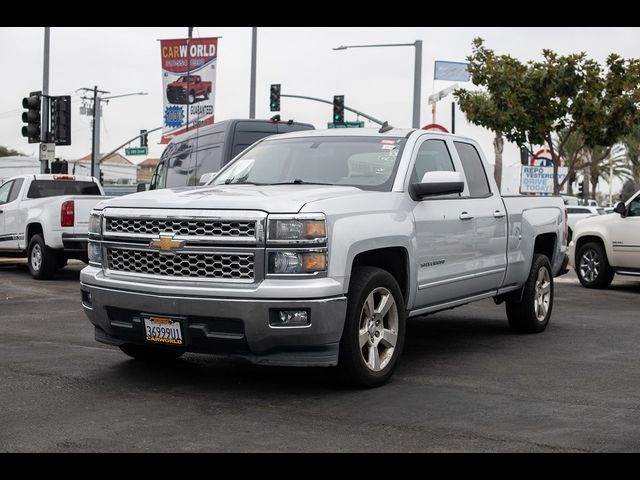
x: 579, y: 212
x: 604, y: 245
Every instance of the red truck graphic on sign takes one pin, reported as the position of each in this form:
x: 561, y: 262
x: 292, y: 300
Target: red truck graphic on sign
x: 187, y: 88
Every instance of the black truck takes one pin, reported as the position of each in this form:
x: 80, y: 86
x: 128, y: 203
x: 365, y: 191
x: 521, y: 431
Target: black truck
x: 207, y: 149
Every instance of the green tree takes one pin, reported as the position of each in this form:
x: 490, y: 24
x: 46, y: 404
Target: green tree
x: 9, y: 152
x: 532, y: 103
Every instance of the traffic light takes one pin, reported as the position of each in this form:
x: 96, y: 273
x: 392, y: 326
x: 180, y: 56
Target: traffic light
x: 275, y: 97
x: 61, y: 120
x: 524, y: 156
x: 101, y: 177
x: 338, y: 109
x: 33, y: 104
x: 581, y: 189
x: 144, y: 141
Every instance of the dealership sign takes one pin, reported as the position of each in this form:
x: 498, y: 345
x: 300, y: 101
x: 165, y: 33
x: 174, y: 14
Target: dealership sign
x: 188, y: 84
x: 537, y: 179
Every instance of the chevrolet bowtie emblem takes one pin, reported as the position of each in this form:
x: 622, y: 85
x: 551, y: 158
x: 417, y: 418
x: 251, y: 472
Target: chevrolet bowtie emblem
x: 166, y: 243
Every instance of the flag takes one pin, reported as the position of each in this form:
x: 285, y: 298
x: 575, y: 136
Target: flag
x: 455, y: 71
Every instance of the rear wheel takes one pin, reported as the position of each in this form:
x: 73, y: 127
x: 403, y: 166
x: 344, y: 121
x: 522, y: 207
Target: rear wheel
x: 592, y: 266
x: 150, y: 354
x: 532, y: 313
x: 374, y: 330
x: 42, y: 261
x: 192, y: 97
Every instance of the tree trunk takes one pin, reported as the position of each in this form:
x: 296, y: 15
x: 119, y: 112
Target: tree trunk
x: 587, y: 182
x: 554, y: 160
x: 498, y: 146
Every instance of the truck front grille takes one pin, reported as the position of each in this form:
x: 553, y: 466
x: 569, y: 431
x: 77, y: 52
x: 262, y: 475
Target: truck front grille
x: 223, y: 266
x: 190, y: 227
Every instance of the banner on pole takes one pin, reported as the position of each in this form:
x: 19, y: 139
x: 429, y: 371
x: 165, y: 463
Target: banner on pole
x: 188, y: 83
x: 454, y: 71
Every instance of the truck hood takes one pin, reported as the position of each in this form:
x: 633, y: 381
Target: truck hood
x: 268, y: 198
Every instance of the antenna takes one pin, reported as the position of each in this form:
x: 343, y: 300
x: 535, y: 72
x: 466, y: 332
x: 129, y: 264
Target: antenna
x: 385, y: 127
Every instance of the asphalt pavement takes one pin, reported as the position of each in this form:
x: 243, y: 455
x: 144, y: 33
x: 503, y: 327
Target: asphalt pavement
x: 466, y: 382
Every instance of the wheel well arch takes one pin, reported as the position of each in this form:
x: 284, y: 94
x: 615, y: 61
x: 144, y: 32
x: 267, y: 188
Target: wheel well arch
x: 33, y: 229
x: 394, y: 260
x: 589, y: 238
x: 545, y: 244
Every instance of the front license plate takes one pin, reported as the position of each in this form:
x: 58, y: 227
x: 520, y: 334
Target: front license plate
x: 163, y: 330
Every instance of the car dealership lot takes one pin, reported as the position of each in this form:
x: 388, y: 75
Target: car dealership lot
x: 465, y: 383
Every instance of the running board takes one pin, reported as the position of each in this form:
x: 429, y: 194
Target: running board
x: 452, y: 304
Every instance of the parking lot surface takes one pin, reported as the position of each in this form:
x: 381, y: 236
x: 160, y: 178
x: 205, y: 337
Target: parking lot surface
x: 466, y: 382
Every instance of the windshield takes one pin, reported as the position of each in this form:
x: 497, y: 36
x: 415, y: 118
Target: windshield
x: 365, y: 162
x: 187, y: 79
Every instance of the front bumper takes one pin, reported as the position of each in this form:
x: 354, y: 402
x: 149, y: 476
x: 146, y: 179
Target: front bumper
x: 238, y: 326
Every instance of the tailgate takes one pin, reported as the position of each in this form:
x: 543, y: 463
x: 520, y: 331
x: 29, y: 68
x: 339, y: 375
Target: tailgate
x: 83, y: 204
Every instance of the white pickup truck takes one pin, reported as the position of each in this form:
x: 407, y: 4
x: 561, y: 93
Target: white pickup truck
x: 46, y: 217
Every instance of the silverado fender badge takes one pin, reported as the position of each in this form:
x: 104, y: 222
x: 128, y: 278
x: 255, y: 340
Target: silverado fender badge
x: 166, y: 243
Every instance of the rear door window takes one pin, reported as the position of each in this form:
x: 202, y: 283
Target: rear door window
x: 473, y: 170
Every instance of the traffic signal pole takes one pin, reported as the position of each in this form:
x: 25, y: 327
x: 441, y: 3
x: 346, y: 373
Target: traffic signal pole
x: 95, y: 133
x: 368, y: 117
x: 45, y: 94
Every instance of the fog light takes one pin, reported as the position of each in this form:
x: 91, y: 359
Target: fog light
x: 290, y: 318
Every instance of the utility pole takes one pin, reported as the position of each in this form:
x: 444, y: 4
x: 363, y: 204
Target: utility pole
x: 188, y: 70
x: 453, y: 117
x: 252, y: 92
x: 45, y: 94
x: 95, y: 133
x: 417, y: 83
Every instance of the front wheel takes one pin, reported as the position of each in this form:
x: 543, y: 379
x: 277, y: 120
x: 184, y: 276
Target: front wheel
x: 150, y: 354
x: 192, y: 97
x: 374, y: 330
x: 592, y: 266
x: 532, y: 313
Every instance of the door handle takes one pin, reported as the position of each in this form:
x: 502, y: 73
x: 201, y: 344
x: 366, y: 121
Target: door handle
x: 465, y: 216
x: 498, y: 214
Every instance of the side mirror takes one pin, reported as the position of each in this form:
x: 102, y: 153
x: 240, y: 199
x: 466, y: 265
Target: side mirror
x: 621, y: 208
x: 437, y: 183
x: 142, y: 187
x: 206, y: 177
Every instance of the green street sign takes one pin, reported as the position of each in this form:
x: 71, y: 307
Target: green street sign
x: 135, y: 151
x: 346, y: 125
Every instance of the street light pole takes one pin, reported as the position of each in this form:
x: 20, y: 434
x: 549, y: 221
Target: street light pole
x: 417, y: 72
x: 252, y: 92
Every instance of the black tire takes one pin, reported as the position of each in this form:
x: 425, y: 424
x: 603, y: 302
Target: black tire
x: 523, y: 315
x: 146, y: 353
x: 351, y: 362
x: 191, y: 95
x: 596, y: 262
x: 42, y: 261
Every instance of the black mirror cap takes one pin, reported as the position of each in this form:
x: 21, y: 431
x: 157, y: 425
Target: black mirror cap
x: 142, y: 187
x: 421, y: 190
x: 621, y: 209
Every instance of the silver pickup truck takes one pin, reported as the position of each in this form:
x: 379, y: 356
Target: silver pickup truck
x: 313, y: 248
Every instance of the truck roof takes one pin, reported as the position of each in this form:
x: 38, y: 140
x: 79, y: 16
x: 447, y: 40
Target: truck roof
x: 348, y: 132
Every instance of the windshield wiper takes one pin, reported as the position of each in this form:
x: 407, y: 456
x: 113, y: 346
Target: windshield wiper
x: 298, y: 181
x: 230, y: 181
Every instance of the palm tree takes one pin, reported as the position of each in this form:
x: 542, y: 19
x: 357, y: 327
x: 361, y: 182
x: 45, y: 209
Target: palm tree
x: 570, y: 147
x: 602, y: 159
x: 631, y: 143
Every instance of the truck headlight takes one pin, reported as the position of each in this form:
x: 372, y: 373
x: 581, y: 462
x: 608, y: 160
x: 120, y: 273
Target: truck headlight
x: 287, y: 263
x: 94, y: 253
x: 95, y: 224
x: 303, y: 229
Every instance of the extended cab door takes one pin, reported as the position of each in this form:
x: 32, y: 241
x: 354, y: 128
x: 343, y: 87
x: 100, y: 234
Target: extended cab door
x: 625, y: 237
x: 10, y: 225
x: 461, y: 245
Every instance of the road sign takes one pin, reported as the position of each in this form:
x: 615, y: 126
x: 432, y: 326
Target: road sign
x: 539, y: 179
x: 542, y: 158
x: 346, y: 125
x: 135, y: 151
x: 47, y: 152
